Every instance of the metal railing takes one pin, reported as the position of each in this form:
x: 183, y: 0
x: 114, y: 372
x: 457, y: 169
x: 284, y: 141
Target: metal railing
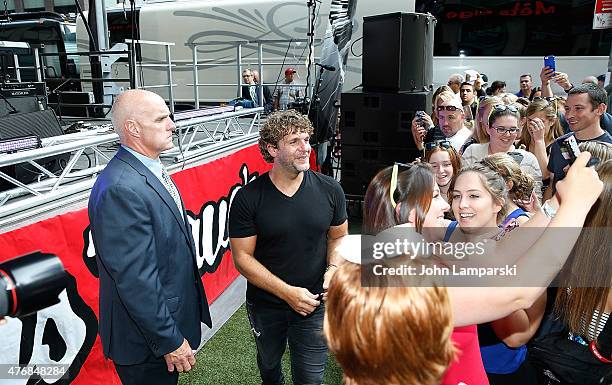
x: 167, y: 65
x: 240, y: 64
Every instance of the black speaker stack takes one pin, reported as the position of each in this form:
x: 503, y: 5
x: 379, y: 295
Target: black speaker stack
x: 397, y: 80
x: 42, y: 123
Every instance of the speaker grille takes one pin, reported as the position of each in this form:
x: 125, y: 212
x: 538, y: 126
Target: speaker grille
x: 41, y: 123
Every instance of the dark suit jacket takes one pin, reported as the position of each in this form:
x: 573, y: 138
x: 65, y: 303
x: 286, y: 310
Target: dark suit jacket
x: 151, y: 294
x: 268, y: 101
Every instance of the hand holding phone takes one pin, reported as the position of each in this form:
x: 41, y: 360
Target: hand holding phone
x: 549, y: 61
x: 570, y: 151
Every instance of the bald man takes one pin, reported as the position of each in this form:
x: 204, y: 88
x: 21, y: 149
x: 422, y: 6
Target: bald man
x: 152, y: 301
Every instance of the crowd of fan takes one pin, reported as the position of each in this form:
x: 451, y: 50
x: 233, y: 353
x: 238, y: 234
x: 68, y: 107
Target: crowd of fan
x: 490, y: 160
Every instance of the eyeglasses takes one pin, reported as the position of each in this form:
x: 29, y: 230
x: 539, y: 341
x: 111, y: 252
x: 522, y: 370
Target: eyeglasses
x: 393, y: 186
x: 438, y: 143
x: 504, y: 130
x: 246, y: 76
x: 447, y: 108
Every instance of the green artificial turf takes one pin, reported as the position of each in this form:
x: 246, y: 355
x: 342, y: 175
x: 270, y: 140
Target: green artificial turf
x: 229, y: 358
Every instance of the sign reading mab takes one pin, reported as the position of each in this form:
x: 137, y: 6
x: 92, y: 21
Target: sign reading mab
x: 603, y: 14
x: 66, y: 335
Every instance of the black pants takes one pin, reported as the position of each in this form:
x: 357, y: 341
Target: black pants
x: 152, y: 372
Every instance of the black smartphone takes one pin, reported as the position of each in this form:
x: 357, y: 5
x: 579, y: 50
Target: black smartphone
x: 549, y: 61
x: 569, y: 149
x: 419, y: 116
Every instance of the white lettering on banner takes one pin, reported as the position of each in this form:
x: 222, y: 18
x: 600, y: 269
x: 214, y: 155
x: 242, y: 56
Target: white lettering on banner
x: 60, y: 334
x: 209, y: 229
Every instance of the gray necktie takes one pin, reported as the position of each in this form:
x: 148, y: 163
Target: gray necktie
x: 253, y: 93
x: 171, y: 187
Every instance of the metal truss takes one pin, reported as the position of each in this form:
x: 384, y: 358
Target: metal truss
x: 199, y: 135
x: 78, y: 148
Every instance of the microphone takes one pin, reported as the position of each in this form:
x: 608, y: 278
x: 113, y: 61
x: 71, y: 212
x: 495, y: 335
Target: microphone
x: 326, y: 67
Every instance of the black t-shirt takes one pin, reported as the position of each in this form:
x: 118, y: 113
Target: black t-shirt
x: 556, y: 161
x: 291, y: 231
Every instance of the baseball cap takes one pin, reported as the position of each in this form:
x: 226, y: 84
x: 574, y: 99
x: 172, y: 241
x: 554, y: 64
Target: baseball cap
x: 290, y: 70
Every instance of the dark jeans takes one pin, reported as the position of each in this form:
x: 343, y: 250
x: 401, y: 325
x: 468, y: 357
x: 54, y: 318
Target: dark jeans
x: 272, y: 328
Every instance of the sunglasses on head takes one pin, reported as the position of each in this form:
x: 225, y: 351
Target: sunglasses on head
x: 549, y: 99
x: 447, y: 108
x: 505, y: 107
x: 501, y: 108
x: 438, y: 143
x: 393, y: 186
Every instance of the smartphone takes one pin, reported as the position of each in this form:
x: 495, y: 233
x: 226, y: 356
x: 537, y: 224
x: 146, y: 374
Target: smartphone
x: 420, y: 117
x: 549, y: 61
x: 570, y: 151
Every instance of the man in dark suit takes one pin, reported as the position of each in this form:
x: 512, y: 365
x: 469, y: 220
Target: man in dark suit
x: 250, y: 91
x: 151, y: 295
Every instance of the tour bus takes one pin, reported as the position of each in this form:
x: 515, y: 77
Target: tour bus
x: 502, y: 39
x: 53, y: 34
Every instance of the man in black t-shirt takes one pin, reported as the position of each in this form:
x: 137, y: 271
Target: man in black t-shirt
x: 284, y: 227
x: 585, y: 105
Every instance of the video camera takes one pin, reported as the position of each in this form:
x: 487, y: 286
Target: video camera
x: 30, y: 283
x: 300, y: 105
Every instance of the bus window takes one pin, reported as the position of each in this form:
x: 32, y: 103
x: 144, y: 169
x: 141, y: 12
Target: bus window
x: 70, y: 43
x: 515, y: 28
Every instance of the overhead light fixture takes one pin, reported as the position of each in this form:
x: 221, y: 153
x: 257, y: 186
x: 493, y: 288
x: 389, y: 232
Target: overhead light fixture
x: 20, y: 143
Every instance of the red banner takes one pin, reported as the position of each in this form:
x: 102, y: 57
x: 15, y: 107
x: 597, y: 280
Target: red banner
x: 67, y: 333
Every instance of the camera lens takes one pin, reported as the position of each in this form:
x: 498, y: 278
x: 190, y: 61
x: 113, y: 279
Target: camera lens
x: 30, y: 283
x: 4, y: 299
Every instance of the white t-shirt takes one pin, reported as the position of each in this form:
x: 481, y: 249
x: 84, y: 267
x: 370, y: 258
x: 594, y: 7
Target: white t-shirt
x: 478, y: 151
x: 459, y: 138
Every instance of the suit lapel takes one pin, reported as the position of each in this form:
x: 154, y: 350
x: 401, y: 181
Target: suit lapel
x: 159, y: 188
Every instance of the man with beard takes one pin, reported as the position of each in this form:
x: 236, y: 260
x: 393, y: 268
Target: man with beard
x: 284, y: 228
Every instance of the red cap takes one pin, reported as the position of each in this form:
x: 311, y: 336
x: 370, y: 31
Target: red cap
x: 290, y: 70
